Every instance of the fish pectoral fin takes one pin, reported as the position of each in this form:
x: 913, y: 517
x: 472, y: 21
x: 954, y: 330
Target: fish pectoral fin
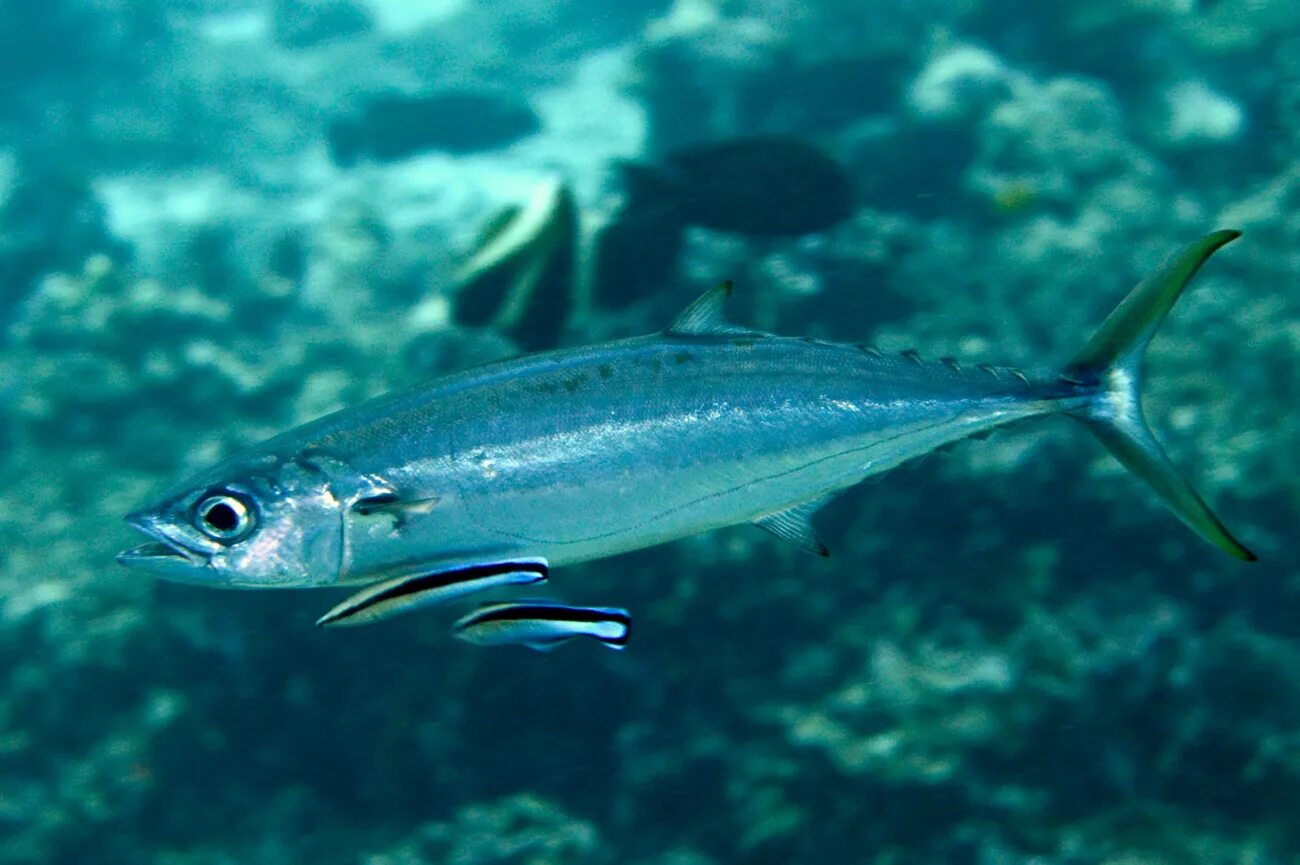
x: 548, y: 645
x: 392, y: 503
x: 705, y: 315
x: 795, y: 525
x: 399, y: 595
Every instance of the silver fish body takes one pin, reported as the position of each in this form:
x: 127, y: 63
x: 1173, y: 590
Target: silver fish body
x: 577, y: 454
x: 582, y: 454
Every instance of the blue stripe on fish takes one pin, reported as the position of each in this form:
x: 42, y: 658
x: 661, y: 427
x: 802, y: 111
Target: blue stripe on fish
x: 543, y: 625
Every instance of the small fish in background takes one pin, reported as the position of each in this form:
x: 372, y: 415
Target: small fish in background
x: 769, y: 189
x: 635, y: 252
x: 391, y: 128
x: 523, y: 278
x: 770, y: 186
x: 542, y: 625
x: 535, y: 269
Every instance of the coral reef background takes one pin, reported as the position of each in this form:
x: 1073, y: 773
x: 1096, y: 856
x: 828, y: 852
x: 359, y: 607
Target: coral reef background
x: 1014, y: 653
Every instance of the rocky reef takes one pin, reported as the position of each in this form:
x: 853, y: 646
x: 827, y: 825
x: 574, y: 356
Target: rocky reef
x: 1014, y: 652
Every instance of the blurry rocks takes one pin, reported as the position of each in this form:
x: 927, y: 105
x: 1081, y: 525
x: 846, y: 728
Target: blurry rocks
x: 1057, y: 138
x: 1198, y: 115
x: 521, y: 828
x: 908, y: 166
x: 958, y: 82
x: 713, y: 69
x: 303, y: 23
x: 49, y: 220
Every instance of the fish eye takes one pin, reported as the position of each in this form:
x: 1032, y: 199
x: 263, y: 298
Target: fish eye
x: 224, y: 517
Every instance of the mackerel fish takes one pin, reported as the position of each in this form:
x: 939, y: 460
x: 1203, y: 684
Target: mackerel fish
x: 496, y: 474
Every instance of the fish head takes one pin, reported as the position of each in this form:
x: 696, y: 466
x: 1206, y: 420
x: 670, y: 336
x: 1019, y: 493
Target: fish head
x: 260, y: 523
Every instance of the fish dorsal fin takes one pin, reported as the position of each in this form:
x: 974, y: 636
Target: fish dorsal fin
x: 795, y: 525
x: 705, y: 315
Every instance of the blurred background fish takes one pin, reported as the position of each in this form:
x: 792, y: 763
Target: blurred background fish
x: 760, y: 186
x: 397, y: 127
x: 539, y: 266
x: 523, y: 276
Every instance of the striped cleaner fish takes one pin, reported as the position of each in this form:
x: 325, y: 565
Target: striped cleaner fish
x: 542, y: 625
x: 491, y: 476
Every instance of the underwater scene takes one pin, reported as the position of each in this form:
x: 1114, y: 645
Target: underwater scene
x: 767, y: 481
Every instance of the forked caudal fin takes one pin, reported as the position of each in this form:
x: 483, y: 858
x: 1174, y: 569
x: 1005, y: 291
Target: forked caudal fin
x: 1112, y: 361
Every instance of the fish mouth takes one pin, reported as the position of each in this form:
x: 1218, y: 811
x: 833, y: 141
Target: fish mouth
x: 168, y: 555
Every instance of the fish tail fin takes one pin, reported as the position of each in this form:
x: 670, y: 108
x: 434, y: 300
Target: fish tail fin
x: 1111, y: 363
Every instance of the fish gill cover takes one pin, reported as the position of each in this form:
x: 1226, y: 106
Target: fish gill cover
x: 1013, y: 653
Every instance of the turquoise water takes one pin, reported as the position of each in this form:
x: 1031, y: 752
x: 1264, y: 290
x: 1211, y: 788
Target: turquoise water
x: 222, y: 218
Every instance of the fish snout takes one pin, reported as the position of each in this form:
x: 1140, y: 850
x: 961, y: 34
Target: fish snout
x: 167, y: 556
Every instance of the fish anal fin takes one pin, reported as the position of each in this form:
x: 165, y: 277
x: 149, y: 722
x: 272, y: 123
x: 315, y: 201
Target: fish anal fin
x: 795, y: 525
x: 548, y: 645
x: 705, y: 315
